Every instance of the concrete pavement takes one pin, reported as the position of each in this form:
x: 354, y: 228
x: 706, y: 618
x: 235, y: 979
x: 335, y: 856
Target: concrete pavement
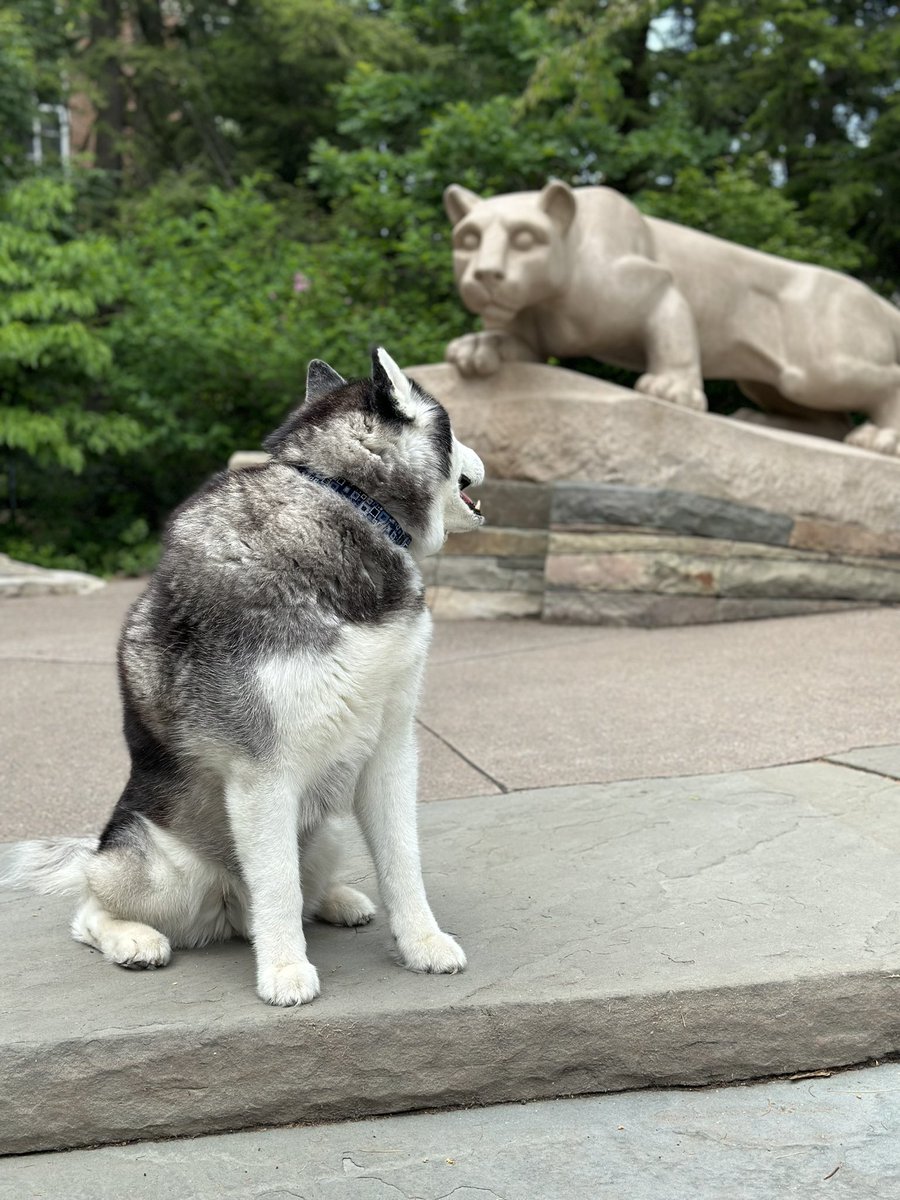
x: 831, y: 1137
x: 508, y: 705
x: 639, y: 903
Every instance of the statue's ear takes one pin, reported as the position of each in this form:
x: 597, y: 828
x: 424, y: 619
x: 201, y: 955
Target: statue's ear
x: 321, y: 379
x: 459, y: 202
x: 558, y: 202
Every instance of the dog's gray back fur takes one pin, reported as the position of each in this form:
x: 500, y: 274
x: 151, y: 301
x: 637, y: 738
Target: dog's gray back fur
x: 261, y: 562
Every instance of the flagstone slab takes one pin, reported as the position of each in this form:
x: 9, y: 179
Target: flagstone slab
x: 647, y: 932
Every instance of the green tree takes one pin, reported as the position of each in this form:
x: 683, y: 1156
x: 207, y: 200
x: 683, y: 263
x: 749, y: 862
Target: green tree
x: 279, y: 166
x: 18, y: 87
x: 221, y: 87
x: 816, y: 88
x: 34, y: 37
x: 55, y: 291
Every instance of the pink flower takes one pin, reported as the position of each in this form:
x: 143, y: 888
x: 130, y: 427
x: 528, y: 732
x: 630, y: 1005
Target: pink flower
x: 301, y: 282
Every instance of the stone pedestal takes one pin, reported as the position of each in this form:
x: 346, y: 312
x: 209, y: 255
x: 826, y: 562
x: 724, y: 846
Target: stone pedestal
x: 607, y: 507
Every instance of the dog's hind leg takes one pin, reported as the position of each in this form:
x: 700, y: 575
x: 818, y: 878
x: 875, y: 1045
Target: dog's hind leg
x: 128, y: 943
x: 323, y: 896
x: 146, y: 892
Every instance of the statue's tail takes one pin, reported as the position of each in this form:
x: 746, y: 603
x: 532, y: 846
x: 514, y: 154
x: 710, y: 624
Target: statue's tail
x: 54, y: 866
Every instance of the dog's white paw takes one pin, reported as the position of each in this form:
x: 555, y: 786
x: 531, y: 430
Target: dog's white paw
x: 344, y: 905
x: 288, y: 983
x: 438, y: 953
x: 137, y: 947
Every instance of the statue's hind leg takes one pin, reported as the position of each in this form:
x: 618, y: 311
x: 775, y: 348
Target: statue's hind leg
x: 842, y: 382
x: 882, y: 431
x: 780, y: 413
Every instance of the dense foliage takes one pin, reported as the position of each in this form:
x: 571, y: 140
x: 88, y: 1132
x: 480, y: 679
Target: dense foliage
x: 263, y: 185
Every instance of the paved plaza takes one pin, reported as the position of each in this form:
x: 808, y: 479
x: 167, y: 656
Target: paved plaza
x: 671, y: 856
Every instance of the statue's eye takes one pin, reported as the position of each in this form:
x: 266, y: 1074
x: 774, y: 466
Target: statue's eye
x: 523, y: 239
x: 469, y: 240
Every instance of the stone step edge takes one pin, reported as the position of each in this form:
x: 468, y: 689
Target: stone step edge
x: 241, y: 1076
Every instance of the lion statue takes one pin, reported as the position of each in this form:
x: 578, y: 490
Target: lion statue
x: 570, y: 272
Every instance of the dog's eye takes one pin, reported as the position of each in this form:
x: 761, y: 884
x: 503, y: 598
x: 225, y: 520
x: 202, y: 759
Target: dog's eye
x: 464, y: 481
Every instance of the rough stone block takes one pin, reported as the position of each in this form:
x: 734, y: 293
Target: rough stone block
x: 513, y: 503
x: 463, y: 604
x: 682, y: 512
x: 429, y: 569
x: 735, y: 575
x: 808, y: 580
x: 844, y: 539
x: 648, y: 610
x: 664, y: 573
x: 498, y: 543
x: 543, y: 424
x: 491, y: 574
x: 653, y: 541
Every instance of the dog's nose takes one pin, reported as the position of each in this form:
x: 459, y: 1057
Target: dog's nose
x: 489, y: 274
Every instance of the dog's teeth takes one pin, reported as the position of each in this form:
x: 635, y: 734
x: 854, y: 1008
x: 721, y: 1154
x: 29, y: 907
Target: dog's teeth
x: 478, y: 506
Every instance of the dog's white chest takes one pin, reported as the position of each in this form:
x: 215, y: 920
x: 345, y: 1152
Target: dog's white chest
x: 328, y: 707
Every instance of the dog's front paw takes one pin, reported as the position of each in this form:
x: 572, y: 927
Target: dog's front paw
x: 288, y: 984
x: 436, y: 953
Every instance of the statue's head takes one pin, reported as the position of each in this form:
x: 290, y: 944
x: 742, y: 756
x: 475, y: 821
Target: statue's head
x: 510, y: 252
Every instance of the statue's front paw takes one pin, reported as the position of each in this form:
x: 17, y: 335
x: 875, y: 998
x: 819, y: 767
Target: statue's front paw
x: 476, y: 353
x: 875, y: 437
x: 677, y: 389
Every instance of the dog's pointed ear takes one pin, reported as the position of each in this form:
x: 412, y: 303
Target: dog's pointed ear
x: 558, y: 202
x: 459, y: 202
x: 393, y: 391
x: 321, y: 379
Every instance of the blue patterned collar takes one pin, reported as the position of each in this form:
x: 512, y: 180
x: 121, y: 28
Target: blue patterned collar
x: 370, y: 509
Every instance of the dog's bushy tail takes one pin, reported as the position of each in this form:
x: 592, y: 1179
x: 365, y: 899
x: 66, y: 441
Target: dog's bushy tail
x: 52, y: 866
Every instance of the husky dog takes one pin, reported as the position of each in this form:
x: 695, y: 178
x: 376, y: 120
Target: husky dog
x: 270, y: 675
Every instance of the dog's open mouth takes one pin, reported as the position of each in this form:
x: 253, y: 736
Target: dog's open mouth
x: 474, y: 505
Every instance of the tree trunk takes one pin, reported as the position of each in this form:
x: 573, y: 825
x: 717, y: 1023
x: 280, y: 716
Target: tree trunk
x: 106, y: 33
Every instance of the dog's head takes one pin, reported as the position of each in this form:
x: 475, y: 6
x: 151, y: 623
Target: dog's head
x: 391, y: 439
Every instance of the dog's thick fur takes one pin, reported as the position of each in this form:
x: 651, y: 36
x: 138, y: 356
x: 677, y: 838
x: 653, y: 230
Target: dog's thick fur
x: 270, y: 674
